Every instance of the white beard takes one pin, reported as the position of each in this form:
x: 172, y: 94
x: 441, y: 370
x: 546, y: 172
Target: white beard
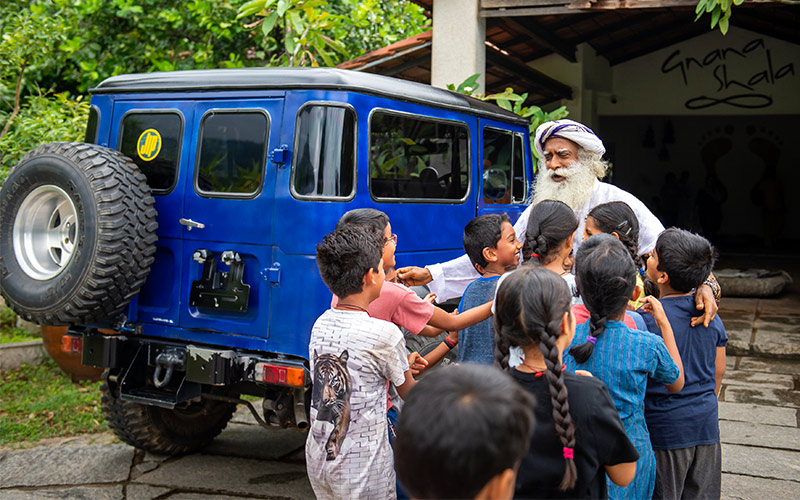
x: 575, y: 190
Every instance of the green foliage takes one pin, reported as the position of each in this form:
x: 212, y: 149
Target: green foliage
x: 11, y: 335
x: 42, y: 119
x: 720, y: 11
x: 372, y: 24
x: 318, y: 33
x: 40, y: 401
x: 513, y: 102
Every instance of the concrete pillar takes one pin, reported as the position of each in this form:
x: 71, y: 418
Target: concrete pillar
x: 459, y: 49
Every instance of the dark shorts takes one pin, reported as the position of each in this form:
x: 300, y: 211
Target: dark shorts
x: 694, y: 472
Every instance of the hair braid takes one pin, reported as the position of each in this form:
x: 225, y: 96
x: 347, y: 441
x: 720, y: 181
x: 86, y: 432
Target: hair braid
x: 558, y: 397
x: 501, y: 349
x: 531, y: 304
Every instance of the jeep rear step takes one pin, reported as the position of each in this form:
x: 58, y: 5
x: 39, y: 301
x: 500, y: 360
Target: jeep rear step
x: 166, y: 374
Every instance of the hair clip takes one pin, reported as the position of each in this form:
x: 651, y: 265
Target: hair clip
x: 592, y: 339
x: 536, y: 255
x: 642, y: 272
x: 569, y: 453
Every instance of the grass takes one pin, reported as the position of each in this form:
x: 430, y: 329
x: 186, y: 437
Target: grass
x: 8, y: 330
x: 40, y: 401
x: 14, y: 334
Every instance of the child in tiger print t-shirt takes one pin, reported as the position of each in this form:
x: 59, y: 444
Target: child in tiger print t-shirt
x: 347, y: 450
x: 352, y: 356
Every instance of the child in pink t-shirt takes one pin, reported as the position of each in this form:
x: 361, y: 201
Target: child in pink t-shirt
x: 402, y: 306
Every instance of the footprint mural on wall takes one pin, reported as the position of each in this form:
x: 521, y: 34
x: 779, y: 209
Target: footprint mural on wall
x: 714, y: 144
x: 767, y: 193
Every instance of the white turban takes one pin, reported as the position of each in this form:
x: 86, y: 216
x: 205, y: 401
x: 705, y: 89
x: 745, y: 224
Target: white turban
x: 576, y: 132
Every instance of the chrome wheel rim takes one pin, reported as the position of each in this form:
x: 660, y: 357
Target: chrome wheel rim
x: 45, y: 232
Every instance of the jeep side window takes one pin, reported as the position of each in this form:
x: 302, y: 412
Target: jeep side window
x: 417, y: 158
x: 503, y: 167
x: 231, y: 153
x: 324, y: 152
x: 153, y: 141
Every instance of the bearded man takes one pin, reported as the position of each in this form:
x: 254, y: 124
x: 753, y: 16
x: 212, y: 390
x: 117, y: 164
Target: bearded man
x: 570, y: 168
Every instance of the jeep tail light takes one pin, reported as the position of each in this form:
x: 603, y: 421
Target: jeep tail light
x: 281, y: 375
x: 72, y: 343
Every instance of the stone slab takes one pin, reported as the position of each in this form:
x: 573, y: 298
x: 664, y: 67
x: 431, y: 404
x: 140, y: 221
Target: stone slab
x: 16, y: 354
x: 144, y: 492
x: 210, y: 474
x: 87, y: 464
x: 29, y: 327
x: 768, y: 436
x: 254, y: 441
x: 738, y: 487
x: 783, y: 341
x: 758, y: 379
x: 761, y: 396
x: 74, y: 493
x: 788, y: 304
x: 738, y: 331
x: 729, y: 304
x: 761, y: 462
x: 196, y: 496
x: 757, y: 414
x: 787, y: 366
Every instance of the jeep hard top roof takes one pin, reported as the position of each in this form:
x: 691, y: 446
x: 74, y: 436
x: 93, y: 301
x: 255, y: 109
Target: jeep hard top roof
x: 301, y: 78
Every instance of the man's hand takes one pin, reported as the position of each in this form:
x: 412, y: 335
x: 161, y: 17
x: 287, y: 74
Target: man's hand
x: 704, y: 299
x: 416, y: 363
x: 414, y: 276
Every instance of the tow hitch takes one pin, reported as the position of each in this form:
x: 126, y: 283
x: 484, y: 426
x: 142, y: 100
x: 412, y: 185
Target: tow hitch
x: 168, y: 362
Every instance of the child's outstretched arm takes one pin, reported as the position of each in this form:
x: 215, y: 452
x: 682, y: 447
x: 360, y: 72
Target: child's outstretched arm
x: 654, y: 307
x: 440, y: 350
x: 449, y: 322
x: 719, y: 367
x: 404, y: 388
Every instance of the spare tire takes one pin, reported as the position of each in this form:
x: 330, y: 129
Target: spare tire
x: 77, y: 234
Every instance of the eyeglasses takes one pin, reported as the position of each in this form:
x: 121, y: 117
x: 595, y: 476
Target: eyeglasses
x: 392, y: 238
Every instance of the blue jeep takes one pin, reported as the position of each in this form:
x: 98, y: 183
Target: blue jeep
x: 178, y: 241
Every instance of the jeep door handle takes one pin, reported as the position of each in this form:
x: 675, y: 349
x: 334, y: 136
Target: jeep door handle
x: 189, y: 223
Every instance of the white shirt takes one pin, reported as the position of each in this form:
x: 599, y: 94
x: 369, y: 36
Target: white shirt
x: 451, y: 278
x: 363, y: 466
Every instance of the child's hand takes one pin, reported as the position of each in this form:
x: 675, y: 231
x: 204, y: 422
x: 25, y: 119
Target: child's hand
x: 583, y: 373
x: 431, y: 297
x: 416, y: 363
x: 653, y: 306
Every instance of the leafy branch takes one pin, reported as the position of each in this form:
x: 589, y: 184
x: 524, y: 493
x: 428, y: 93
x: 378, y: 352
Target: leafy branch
x: 720, y: 11
x: 511, y: 101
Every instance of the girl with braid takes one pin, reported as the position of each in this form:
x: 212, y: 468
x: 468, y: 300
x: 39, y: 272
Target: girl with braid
x: 618, y: 219
x: 548, y: 240
x: 578, y: 437
x: 623, y: 358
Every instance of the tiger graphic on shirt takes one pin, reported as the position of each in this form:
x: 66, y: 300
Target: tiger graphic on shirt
x: 331, y: 397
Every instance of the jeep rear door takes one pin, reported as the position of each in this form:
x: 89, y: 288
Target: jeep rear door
x: 157, y: 136
x: 227, y: 216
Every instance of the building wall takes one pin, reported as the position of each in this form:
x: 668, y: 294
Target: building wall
x: 741, y: 73
x: 723, y: 109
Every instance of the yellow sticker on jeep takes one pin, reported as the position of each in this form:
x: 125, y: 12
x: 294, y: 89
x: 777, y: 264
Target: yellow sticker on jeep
x: 149, y: 144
